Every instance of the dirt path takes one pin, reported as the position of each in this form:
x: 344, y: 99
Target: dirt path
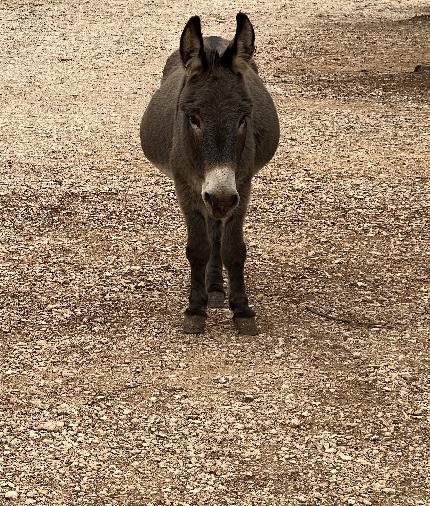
x: 103, y: 400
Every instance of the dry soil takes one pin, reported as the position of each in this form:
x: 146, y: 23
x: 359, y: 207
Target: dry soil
x: 103, y: 400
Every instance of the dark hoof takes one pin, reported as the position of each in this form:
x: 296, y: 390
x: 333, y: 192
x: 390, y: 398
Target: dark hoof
x: 246, y: 326
x: 194, y: 324
x: 216, y: 299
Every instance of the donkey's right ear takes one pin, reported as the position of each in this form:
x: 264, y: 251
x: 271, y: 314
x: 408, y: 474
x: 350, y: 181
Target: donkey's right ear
x: 191, y: 47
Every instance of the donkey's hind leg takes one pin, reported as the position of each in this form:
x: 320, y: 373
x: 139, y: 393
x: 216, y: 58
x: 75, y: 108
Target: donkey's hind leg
x: 214, y: 280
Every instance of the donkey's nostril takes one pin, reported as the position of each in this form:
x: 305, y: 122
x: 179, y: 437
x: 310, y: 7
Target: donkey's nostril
x: 220, y: 205
x: 230, y: 201
x: 207, y: 198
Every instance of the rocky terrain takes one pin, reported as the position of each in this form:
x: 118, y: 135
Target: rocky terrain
x: 103, y: 400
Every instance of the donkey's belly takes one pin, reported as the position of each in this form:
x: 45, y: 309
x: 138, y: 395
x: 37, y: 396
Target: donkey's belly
x: 156, y: 128
x: 164, y: 169
x: 156, y: 140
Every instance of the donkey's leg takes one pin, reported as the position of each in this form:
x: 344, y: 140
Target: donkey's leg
x: 214, y: 281
x: 234, y: 254
x: 198, y: 250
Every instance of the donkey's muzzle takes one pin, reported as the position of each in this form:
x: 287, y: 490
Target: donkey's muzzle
x: 220, y: 205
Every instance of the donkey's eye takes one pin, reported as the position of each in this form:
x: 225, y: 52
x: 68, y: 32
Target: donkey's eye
x: 194, y: 122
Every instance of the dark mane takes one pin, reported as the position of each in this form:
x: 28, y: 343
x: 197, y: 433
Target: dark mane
x: 213, y: 58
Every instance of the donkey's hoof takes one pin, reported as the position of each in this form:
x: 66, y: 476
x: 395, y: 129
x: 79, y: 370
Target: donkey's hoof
x: 194, y: 324
x: 246, y: 326
x: 216, y: 299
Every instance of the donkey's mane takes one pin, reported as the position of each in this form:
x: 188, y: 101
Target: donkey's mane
x: 213, y: 58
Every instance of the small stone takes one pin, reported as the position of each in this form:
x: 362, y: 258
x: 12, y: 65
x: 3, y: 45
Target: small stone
x: 295, y: 422
x: 328, y: 448
x: 64, y: 409
x: 363, y: 461
x: 248, y: 398
x: 65, y: 313
x: 51, y: 426
x: 11, y: 494
x: 422, y: 68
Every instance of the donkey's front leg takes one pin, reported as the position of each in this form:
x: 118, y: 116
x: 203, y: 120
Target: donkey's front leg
x: 198, y: 250
x: 234, y: 255
x: 214, y: 281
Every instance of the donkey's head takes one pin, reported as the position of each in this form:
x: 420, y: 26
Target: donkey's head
x: 215, y: 108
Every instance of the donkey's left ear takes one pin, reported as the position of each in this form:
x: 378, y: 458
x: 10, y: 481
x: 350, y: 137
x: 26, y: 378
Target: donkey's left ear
x: 242, y: 48
x: 244, y: 38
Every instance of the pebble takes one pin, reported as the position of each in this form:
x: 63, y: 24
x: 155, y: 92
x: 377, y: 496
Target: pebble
x: 50, y: 426
x: 222, y: 380
x: 64, y: 409
x: 389, y: 490
x: 11, y: 494
x: 295, y: 422
x: 422, y: 68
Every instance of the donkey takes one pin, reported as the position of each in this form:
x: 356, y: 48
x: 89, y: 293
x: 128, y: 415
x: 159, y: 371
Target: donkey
x: 211, y: 126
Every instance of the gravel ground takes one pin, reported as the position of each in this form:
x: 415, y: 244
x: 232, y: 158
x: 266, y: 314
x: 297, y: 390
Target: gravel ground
x: 103, y: 400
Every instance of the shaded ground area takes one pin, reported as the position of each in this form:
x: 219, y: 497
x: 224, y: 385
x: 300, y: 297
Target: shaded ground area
x: 103, y: 399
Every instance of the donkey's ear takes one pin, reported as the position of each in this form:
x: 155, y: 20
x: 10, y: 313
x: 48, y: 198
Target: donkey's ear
x: 191, y: 47
x: 244, y: 38
x: 242, y: 48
